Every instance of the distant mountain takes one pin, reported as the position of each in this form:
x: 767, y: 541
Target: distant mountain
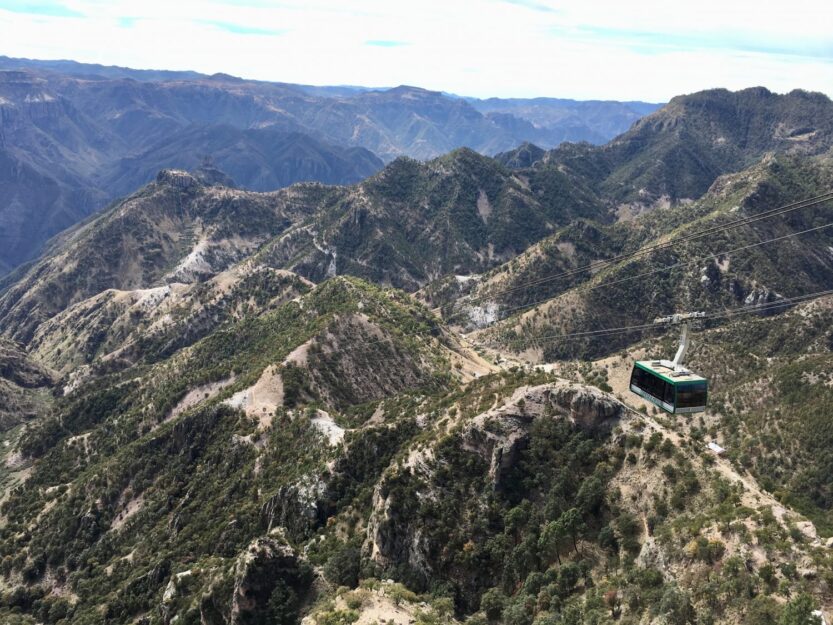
x: 68, y: 146
x: 177, y: 229
x: 48, y: 152
x: 594, y: 121
x: 677, y: 152
x: 74, y: 136
x: 390, y: 122
x: 95, y: 70
x: 410, y: 224
x: 261, y: 159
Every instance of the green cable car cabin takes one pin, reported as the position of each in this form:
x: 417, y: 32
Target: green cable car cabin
x: 675, y: 391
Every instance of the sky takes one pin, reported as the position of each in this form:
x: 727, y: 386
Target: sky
x: 584, y: 49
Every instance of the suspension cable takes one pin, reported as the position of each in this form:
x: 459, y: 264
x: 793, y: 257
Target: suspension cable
x: 597, y: 264
x: 598, y: 285
x: 731, y: 312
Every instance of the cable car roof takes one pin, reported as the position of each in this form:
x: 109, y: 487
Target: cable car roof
x: 667, y: 374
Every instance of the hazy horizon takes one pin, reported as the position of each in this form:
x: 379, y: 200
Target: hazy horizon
x: 494, y: 48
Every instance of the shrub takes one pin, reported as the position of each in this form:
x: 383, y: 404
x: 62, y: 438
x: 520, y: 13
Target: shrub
x: 342, y: 569
x: 493, y: 602
x: 799, y: 611
x: 676, y: 607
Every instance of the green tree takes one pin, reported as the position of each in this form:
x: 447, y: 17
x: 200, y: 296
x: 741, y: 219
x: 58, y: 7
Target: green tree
x: 550, y: 541
x: 799, y: 611
x: 676, y: 607
x: 283, y: 605
x: 573, y: 525
x: 492, y: 603
x: 591, y: 495
x: 342, y: 569
x: 763, y: 611
x: 516, y: 614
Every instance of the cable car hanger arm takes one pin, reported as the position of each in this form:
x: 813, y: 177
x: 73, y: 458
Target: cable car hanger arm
x: 682, y: 319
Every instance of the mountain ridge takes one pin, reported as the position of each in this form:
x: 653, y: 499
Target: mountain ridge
x: 73, y: 136
x: 178, y: 229
x: 675, y: 153
x: 223, y: 414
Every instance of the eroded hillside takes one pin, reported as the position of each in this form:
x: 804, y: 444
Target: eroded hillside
x: 563, y: 284
x: 218, y: 411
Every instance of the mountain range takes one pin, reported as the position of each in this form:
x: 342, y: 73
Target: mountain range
x: 359, y: 403
x: 74, y: 137
x: 677, y: 152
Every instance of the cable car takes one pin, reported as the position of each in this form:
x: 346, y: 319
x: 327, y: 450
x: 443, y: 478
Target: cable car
x: 674, y: 392
x: 666, y: 383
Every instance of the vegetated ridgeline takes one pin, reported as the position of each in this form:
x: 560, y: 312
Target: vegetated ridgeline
x: 676, y: 152
x: 75, y: 136
x: 221, y: 427
x: 564, y: 282
x: 181, y: 229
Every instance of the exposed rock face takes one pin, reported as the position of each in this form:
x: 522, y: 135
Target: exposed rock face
x: 499, y: 434
x: 759, y: 296
x: 269, y: 583
x: 496, y: 438
x: 296, y: 507
x: 177, y: 179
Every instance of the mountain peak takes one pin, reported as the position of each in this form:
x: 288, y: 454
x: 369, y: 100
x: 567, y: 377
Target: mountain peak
x: 463, y: 152
x: 525, y: 155
x: 222, y: 77
x: 410, y: 90
x: 177, y: 178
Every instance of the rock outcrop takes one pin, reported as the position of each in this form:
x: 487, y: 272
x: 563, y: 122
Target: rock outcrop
x: 495, y: 439
x: 269, y: 583
x: 499, y: 434
x: 296, y: 507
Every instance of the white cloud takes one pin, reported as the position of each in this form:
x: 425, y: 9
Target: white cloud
x: 600, y: 49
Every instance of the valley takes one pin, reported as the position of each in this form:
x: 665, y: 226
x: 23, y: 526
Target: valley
x: 403, y: 396
x: 75, y: 137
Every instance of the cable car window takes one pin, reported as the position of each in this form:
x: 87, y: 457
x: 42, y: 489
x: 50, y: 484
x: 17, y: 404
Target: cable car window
x: 668, y: 397
x: 691, y: 395
x: 653, y: 385
x: 641, y: 379
x: 636, y: 377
